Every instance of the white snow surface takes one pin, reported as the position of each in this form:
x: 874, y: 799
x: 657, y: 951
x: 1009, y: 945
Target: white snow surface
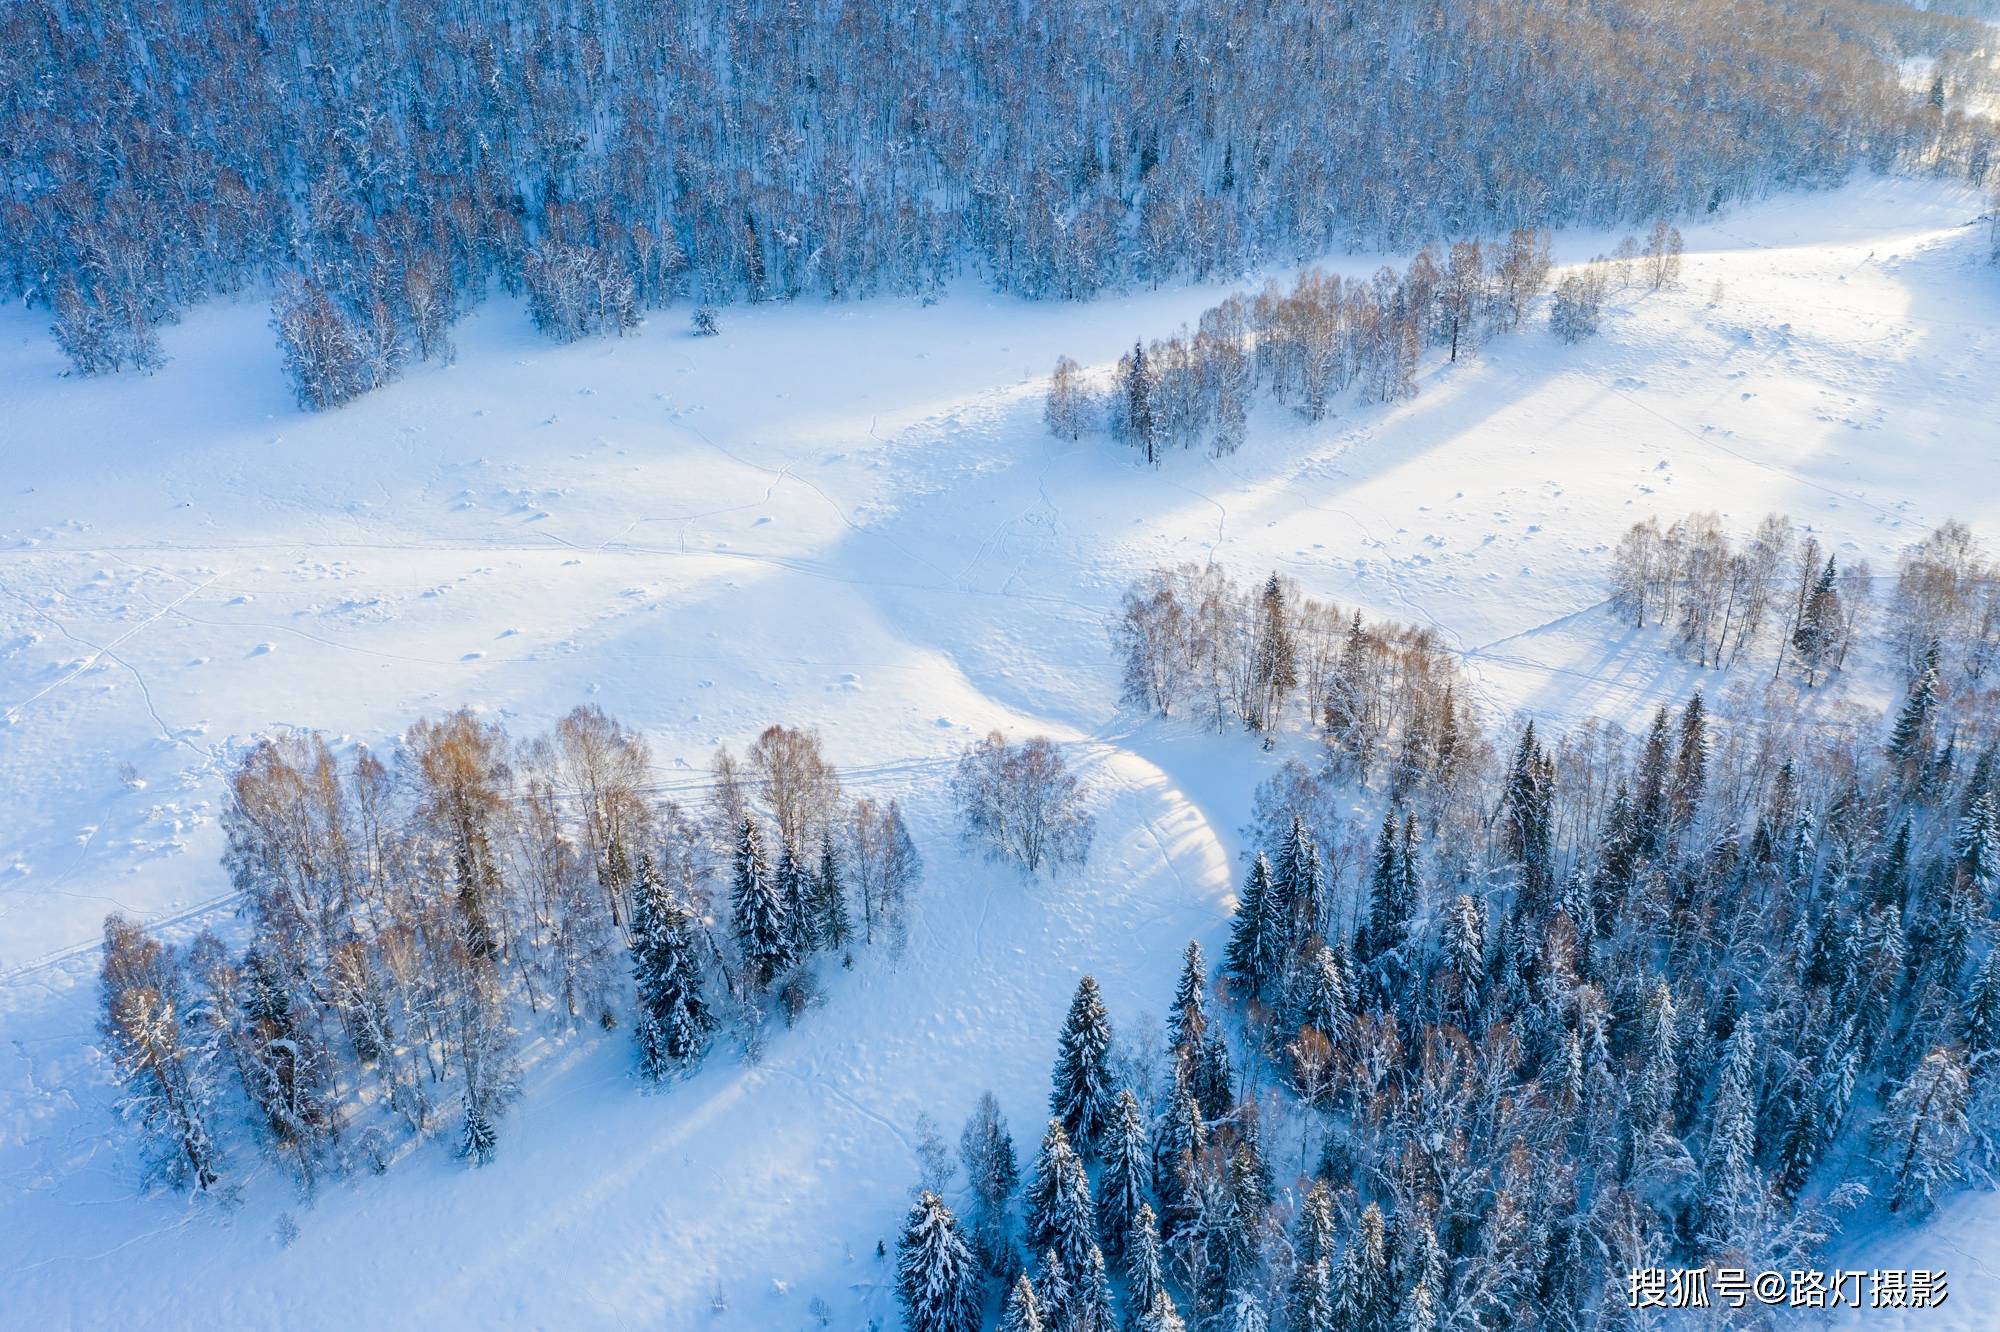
x: 847, y: 517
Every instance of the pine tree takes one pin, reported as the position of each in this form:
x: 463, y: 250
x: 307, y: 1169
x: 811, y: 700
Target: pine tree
x: 1910, y: 741
x: 1730, y: 1181
x: 796, y: 890
x: 1140, y: 419
x: 936, y: 1278
x: 1059, y: 1213
x: 1923, y: 1127
x: 1362, y: 1290
x: 674, y: 1017
x: 1145, y: 1276
x: 1256, y: 940
x: 763, y: 934
x: 1121, y: 1185
x: 1525, y: 819
x: 1094, y: 1311
x: 1187, y: 1017
x: 1081, y: 1096
x: 1817, y: 632
x: 1023, y: 1312
x: 1298, y: 884
x: 836, y: 929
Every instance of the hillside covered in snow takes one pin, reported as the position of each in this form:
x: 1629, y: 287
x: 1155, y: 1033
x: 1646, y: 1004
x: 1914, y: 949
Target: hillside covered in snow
x: 848, y: 518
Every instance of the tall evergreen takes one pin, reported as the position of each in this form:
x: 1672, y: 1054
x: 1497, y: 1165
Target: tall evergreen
x: 674, y: 1018
x: 836, y: 927
x: 1022, y: 1312
x: 1128, y: 1166
x: 763, y: 932
x: 936, y: 1278
x: 1910, y: 740
x: 1303, y: 906
x: 1525, y: 819
x: 1081, y: 1096
x: 1730, y: 1180
x: 796, y: 890
x: 1187, y: 1016
x: 1256, y: 936
x: 1145, y: 1274
x: 1060, y: 1217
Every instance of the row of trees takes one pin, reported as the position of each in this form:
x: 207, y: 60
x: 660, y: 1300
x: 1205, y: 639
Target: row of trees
x: 1718, y: 597
x: 1193, y: 642
x: 1679, y: 998
x: 606, y: 160
x: 408, y: 924
x: 1328, y: 334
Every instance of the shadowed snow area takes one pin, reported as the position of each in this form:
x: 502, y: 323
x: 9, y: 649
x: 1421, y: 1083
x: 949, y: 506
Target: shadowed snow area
x: 848, y: 517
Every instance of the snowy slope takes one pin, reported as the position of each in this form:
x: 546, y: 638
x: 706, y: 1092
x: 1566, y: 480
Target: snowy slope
x: 846, y: 517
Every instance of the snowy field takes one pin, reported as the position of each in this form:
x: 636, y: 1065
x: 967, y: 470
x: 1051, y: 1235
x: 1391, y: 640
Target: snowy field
x: 847, y: 517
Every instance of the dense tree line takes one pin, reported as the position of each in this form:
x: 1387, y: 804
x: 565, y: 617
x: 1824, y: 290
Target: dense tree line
x: 406, y: 926
x: 385, y: 166
x: 1684, y: 997
x: 1327, y: 335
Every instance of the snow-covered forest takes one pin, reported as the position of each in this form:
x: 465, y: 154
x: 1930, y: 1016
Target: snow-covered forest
x: 1259, y: 667
x: 382, y: 168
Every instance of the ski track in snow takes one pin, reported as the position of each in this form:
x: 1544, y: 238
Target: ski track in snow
x: 847, y: 517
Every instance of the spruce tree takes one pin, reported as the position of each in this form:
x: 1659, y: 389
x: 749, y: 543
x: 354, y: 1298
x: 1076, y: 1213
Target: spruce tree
x: 1140, y: 418
x: 1057, y: 1292
x: 1981, y: 1023
x: 1313, y: 1308
x: 1322, y: 999
x: 1145, y: 1275
x: 1256, y: 941
x: 1525, y: 820
x: 1059, y: 1213
x: 1362, y: 1288
x: 1817, y: 632
x: 1121, y: 1185
x: 1302, y: 907
x: 936, y: 1279
x: 674, y: 1017
x: 1730, y: 1181
x: 796, y: 890
x: 1187, y: 1017
x: 1910, y: 740
x: 836, y: 929
x: 1094, y: 1311
x: 1023, y: 1312
x: 1081, y: 1096
x: 1182, y: 1134
x: 763, y: 933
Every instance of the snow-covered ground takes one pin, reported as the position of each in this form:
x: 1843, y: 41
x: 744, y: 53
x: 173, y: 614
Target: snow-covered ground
x: 847, y: 517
